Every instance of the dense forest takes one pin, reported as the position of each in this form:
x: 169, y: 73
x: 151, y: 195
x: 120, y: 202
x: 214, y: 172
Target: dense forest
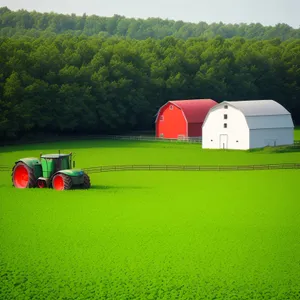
x: 66, y: 82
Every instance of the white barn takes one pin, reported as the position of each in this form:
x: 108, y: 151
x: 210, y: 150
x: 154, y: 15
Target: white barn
x: 247, y: 124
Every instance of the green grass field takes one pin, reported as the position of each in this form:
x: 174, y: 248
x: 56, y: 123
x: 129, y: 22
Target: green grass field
x: 153, y: 235
x: 297, y: 133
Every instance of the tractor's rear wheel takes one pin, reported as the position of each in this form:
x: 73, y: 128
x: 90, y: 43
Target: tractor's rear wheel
x: 86, y: 181
x: 23, y: 176
x: 62, y: 182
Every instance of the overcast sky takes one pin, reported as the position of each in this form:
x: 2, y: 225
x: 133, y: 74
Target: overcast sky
x: 266, y: 12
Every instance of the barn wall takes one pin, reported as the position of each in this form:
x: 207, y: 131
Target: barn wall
x: 173, y: 123
x: 236, y: 134
x: 271, y: 137
x: 275, y: 121
x: 195, y: 129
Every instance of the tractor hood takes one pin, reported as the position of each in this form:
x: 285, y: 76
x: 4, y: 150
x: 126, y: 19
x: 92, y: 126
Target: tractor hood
x: 72, y: 172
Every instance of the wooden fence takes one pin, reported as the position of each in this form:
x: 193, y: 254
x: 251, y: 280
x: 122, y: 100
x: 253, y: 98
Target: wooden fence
x: 114, y: 168
x: 5, y: 168
x: 145, y: 138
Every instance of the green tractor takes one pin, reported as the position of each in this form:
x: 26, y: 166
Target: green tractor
x: 51, y: 171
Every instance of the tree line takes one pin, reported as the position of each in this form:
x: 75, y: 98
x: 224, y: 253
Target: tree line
x: 66, y: 83
x: 22, y: 22
x: 82, y: 84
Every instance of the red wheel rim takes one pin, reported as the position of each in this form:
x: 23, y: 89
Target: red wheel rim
x: 58, y: 182
x: 21, y: 177
x: 41, y: 184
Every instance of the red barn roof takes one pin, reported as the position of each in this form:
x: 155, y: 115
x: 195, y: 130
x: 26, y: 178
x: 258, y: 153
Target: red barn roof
x: 195, y: 110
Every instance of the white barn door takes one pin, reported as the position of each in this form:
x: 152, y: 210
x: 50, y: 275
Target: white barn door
x: 223, y: 141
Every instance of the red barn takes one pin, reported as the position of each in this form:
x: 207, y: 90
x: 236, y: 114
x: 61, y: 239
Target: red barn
x: 182, y: 118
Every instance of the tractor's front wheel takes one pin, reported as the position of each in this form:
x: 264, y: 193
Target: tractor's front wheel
x: 23, y: 176
x: 61, y: 182
x: 86, y: 181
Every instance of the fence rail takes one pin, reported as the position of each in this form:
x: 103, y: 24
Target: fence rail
x: 136, y: 137
x: 5, y: 168
x: 151, y: 138
x: 145, y: 138
x: 114, y: 168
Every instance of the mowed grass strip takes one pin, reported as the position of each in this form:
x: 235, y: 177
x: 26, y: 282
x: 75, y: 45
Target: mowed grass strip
x: 153, y: 235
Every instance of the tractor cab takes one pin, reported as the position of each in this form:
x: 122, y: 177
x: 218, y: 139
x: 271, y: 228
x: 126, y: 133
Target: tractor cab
x: 52, y: 163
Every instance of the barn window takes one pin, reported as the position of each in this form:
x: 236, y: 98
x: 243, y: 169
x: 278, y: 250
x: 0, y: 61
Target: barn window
x: 161, y: 118
x: 225, y: 116
x: 237, y: 141
x: 225, y: 125
x: 211, y: 140
x: 225, y: 106
x: 171, y: 107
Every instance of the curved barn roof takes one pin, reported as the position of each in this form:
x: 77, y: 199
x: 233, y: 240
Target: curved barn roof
x: 195, y: 110
x: 258, y: 107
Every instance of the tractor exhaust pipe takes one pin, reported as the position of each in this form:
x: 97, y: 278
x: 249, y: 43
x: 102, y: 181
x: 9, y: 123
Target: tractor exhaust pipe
x: 72, y: 162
